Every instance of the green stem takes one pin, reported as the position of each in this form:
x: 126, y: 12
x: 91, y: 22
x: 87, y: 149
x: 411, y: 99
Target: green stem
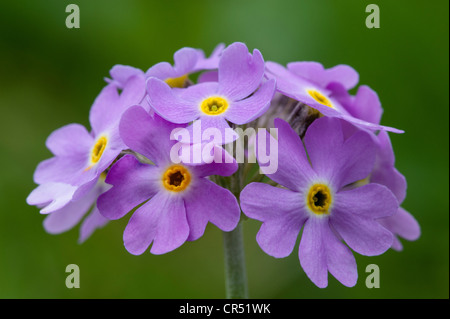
x: 235, y: 272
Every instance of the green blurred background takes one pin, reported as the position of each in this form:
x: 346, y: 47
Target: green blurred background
x: 50, y: 76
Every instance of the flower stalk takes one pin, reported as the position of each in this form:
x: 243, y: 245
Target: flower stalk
x: 234, y: 255
x: 235, y: 271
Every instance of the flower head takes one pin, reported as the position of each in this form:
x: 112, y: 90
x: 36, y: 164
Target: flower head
x: 239, y: 96
x: 178, y: 200
x: 315, y: 197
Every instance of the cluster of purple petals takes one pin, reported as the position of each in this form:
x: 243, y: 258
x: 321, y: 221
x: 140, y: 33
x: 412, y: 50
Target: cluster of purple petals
x: 344, y: 163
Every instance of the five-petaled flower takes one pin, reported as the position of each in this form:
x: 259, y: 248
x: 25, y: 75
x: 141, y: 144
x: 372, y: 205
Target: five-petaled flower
x: 178, y: 199
x: 239, y: 96
x: 315, y: 197
x: 70, y: 182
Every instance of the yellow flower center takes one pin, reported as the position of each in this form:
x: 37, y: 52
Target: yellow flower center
x: 319, y: 199
x: 214, y: 105
x: 97, y: 151
x: 177, y: 82
x: 319, y: 97
x: 176, y: 178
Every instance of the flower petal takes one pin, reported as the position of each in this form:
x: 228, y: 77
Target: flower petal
x: 202, y: 206
x: 162, y: 220
x: 365, y: 105
x: 61, y: 169
x: 370, y: 201
x: 133, y: 182
x: 321, y: 251
x: 281, y: 213
x: 70, y: 140
x: 340, y: 260
x: 169, y: 105
x: 355, y: 159
x: 109, y: 105
x: 390, y: 177
x: 120, y: 74
x: 92, y: 222
x: 240, y: 73
x: 315, y: 72
x: 367, y: 125
x: 247, y: 110
x: 70, y: 215
x: 104, y: 111
x: 322, y: 140
x: 294, y: 169
x: 353, y: 217
x: 51, y: 196
x: 385, y: 172
x: 195, y: 94
x: 185, y: 60
x: 402, y: 224
x: 341, y: 162
x: 162, y: 71
x: 208, y: 76
x: 132, y: 93
x: 147, y: 135
x: 363, y: 235
x: 312, y: 251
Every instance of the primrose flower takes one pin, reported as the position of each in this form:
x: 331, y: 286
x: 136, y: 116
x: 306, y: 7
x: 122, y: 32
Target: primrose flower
x: 315, y: 197
x: 79, y: 156
x: 187, y: 60
x: 239, y: 96
x: 325, y: 90
x: 177, y: 200
x: 70, y: 179
x: 402, y: 223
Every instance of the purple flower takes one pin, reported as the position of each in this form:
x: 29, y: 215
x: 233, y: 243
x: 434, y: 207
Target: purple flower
x: 69, y: 182
x: 178, y: 200
x: 325, y: 90
x: 239, y: 96
x: 402, y: 223
x: 315, y: 197
x: 79, y: 156
x: 187, y: 60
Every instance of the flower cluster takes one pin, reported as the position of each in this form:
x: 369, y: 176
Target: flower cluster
x: 335, y: 183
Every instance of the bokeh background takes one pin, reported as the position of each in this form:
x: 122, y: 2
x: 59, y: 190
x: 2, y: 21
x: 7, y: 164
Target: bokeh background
x: 50, y: 75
